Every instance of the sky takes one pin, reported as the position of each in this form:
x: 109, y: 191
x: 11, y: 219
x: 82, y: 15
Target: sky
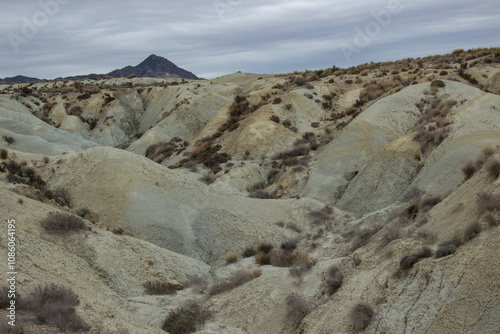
x: 57, y: 38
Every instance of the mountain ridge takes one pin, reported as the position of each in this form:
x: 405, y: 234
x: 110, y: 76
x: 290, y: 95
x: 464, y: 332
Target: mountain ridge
x: 153, y: 67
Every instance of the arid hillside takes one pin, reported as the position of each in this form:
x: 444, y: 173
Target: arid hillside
x: 333, y: 201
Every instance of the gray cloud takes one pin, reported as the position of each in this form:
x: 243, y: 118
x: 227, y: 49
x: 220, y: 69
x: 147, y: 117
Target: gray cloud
x: 216, y: 37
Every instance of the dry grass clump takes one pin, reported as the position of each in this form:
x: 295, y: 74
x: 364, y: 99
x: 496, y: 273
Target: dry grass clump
x: 236, y: 279
x: 490, y: 219
x: 360, y: 316
x: 471, y: 231
x: 409, y: 260
x: 363, y: 237
x: 159, y: 288
x: 163, y: 150
x: 391, y: 233
x: 374, y: 90
x: 487, y: 202
x: 444, y: 249
x: 492, y: 167
x: 297, y: 308
x: 334, y: 280
x: 188, y: 318
x: 298, y: 270
x: 62, y: 222
x: 230, y: 257
x: 468, y: 169
x: 208, y: 178
x: 322, y: 215
x: 55, y: 305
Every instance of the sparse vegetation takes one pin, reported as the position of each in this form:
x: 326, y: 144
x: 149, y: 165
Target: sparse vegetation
x: 236, y: 279
x: 444, y: 249
x: 188, y: 318
x: 360, y: 316
x: 471, y: 231
x: 334, y: 280
x: 56, y: 305
x: 159, y: 287
x: 62, y: 222
x: 297, y: 309
x: 409, y: 260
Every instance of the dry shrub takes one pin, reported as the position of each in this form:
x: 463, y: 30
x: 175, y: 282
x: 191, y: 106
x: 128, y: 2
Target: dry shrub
x: 374, y: 89
x: 236, y: 279
x: 261, y: 258
x: 409, y: 260
x: 55, y: 305
x: 360, y: 316
x: 188, y: 318
x: 471, y: 231
x: 334, y: 280
x: 492, y: 168
x: 62, y: 222
x: 248, y: 252
x: 487, y: 202
x: 298, y: 270
x: 159, y: 288
x: 5, y: 328
x: 363, y: 237
x: 444, y: 249
x: 490, y: 219
x: 322, y: 215
x: 437, y: 84
x: 391, y: 232
x: 468, y: 169
x: 230, y: 257
x: 262, y: 194
x: 4, y: 153
x: 297, y: 309
x: 208, y: 178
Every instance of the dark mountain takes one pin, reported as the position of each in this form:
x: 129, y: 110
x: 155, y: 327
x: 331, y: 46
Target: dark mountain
x: 19, y: 78
x: 153, y: 67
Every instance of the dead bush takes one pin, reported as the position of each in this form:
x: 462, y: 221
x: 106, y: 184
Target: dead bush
x: 55, y: 305
x: 297, y: 309
x: 471, y: 231
x: 490, y: 219
x: 444, y: 249
x: 188, y: 318
x: 62, y: 222
x: 159, y: 288
x: 492, y: 168
x: 322, y: 215
x: 208, y: 178
x: 298, y: 270
x: 468, y: 169
x: 62, y: 196
x: 360, y: 316
x: 409, y: 260
x: 363, y: 237
x: 391, y: 232
x: 334, y: 280
x: 487, y: 202
x: 230, y: 257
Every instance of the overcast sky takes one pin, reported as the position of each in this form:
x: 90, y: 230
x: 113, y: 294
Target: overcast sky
x: 53, y: 38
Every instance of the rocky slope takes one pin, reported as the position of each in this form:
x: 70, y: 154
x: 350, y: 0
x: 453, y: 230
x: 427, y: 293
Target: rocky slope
x: 345, y: 172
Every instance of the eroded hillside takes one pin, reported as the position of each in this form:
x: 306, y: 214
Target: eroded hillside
x: 325, y: 201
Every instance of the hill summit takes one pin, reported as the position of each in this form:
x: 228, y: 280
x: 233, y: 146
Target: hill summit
x: 154, y: 67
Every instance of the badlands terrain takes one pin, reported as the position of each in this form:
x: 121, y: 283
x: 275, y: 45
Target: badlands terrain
x: 330, y: 201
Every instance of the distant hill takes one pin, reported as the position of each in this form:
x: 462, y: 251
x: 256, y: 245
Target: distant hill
x: 19, y: 78
x: 152, y: 67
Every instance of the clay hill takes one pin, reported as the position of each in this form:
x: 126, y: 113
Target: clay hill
x: 363, y: 199
x: 152, y: 67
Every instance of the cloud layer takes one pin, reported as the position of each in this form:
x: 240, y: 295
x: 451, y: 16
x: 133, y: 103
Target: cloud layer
x: 52, y: 38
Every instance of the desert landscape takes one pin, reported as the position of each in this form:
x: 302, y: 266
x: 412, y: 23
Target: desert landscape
x: 341, y: 200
